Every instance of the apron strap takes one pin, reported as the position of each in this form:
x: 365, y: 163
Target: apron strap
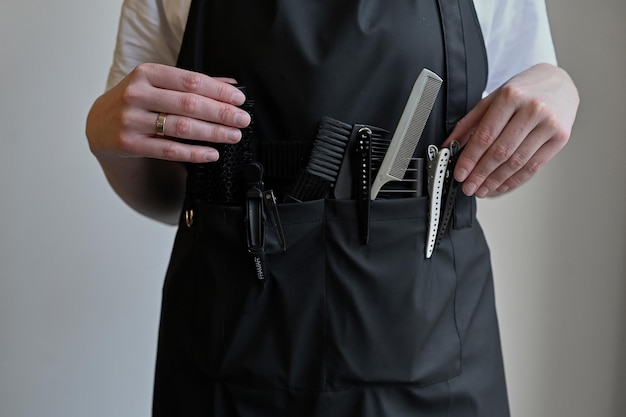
x: 466, y: 59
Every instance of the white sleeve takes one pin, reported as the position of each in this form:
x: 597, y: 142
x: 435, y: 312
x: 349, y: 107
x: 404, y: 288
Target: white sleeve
x: 517, y: 36
x: 149, y: 31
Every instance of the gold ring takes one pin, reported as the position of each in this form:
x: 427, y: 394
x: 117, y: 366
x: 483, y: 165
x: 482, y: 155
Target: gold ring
x: 160, y: 124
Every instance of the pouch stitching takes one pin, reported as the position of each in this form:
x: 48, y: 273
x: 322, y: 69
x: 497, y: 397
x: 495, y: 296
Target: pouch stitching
x: 325, y: 311
x: 456, y: 291
x: 361, y: 387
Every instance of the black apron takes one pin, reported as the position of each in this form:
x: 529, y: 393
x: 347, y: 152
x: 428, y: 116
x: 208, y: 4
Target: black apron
x: 338, y: 328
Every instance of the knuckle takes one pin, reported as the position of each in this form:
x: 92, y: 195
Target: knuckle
x: 517, y: 161
x: 483, y: 137
x: 468, y: 158
x: 561, y: 137
x: 561, y: 134
x: 536, y: 108
x: 515, y: 182
x: 127, y: 145
x: 218, y: 134
x: 192, y: 82
x: 197, y: 156
x: 142, y: 70
x: 491, y: 185
x: 182, y: 127
x: 210, y: 132
x: 480, y: 173
x: 534, y: 167
x: 501, y: 153
x: 126, y: 120
x: 190, y: 103
x: 131, y: 94
x: 222, y: 91
x: 170, y: 152
x: 553, y: 123
x: 127, y: 125
x: 225, y: 114
x: 513, y: 92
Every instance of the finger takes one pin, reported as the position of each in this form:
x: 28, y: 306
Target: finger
x: 504, y: 156
x: 543, y: 155
x: 514, y: 161
x: 195, y: 106
x: 146, y: 144
x: 171, y: 78
x: 488, y: 130
x: 163, y: 148
x: 189, y: 128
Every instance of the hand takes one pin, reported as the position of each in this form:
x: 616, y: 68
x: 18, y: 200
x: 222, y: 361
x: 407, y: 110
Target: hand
x: 515, y: 131
x: 143, y: 168
x: 122, y: 122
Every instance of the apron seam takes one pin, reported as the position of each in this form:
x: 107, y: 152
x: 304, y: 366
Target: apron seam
x: 329, y: 389
x: 325, y: 380
x: 454, y: 305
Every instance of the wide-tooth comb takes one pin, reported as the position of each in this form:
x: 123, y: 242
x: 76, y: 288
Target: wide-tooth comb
x: 409, y: 130
x: 410, y: 186
x: 320, y: 174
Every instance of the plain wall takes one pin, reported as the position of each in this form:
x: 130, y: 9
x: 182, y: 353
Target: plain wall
x: 559, y: 243
x: 81, y: 274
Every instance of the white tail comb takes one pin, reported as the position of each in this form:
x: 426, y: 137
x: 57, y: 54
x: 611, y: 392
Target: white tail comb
x: 409, y: 130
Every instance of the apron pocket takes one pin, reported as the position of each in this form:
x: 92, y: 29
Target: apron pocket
x: 332, y: 313
x: 273, y: 331
x: 391, y: 317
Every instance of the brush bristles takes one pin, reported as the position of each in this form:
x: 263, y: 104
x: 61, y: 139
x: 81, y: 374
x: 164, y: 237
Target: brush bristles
x: 327, y: 155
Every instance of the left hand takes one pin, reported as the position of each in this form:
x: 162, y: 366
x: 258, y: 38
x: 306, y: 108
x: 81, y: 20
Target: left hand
x: 515, y: 131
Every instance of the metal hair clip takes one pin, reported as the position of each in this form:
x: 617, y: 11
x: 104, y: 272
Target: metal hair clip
x: 437, y: 170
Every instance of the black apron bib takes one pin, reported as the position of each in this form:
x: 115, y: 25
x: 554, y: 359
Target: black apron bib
x: 338, y: 328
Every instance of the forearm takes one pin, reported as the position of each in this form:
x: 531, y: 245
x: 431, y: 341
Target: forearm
x: 152, y: 187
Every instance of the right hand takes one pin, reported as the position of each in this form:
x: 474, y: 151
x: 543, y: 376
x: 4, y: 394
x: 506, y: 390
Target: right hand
x: 122, y: 122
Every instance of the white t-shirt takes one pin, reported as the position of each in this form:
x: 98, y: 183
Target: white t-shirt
x: 516, y: 32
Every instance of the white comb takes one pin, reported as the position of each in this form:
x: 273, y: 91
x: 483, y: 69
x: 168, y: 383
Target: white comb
x: 409, y: 130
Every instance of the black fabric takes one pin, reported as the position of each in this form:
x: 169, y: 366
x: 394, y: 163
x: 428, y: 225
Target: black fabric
x: 338, y: 328
x: 355, y: 60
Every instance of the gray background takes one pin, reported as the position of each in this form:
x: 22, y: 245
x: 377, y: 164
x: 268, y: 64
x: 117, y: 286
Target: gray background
x: 81, y: 274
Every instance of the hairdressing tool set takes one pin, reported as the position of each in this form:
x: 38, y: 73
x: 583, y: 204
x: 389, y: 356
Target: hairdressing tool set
x: 359, y: 162
x: 409, y: 130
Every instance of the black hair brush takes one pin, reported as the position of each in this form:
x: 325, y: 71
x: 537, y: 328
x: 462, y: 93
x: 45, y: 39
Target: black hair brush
x: 318, y: 178
x: 222, y: 182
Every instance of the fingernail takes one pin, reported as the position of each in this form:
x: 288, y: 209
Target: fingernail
x: 242, y: 119
x: 234, y: 135
x: 461, y: 174
x: 238, y: 98
x: 211, y: 155
x: 504, y: 189
x: 469, y: 189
